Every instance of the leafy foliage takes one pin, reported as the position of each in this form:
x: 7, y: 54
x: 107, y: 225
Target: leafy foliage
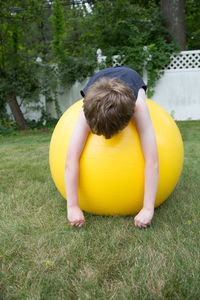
x: 7, y: 127
x: 19, y: 69
x: 74, y: 60
x: 124, y: 28
x: 66, y: 36
x: 193, y: 24
x: 132, y: 32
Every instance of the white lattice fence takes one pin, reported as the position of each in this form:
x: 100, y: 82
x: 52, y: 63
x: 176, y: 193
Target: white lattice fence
x: 178, y: 90
x: 185, y: 60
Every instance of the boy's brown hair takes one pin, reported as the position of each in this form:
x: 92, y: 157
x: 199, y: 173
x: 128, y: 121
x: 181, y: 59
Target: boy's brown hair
x: 108, y: 106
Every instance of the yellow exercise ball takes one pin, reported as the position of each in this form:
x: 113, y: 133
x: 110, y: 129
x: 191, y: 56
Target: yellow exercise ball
x: 111, y: 180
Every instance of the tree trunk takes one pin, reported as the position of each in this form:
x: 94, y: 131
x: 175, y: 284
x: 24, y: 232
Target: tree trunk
x: 174, y: 19
x: 17, y: 113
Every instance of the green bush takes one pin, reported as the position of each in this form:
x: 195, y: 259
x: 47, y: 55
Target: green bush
x: 7, y: 127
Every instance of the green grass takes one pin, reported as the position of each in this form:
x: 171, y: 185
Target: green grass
x: 42, y: 257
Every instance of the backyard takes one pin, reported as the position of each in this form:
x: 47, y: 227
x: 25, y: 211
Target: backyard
x: 42, y: 257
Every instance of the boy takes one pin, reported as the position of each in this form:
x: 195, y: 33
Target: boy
x: 111, y: 98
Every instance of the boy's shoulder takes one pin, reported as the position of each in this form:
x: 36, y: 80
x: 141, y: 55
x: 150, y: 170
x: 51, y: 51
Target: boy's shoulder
x: 124, y: 73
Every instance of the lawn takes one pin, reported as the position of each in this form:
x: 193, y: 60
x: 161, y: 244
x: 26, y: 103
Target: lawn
x: 42, y: 257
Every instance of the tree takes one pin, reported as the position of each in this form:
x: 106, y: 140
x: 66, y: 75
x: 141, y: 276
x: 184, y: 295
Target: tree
x: 74, y: 57
x: 18, y: 52
x: 66, y: 36
x: 133, y: 32
x: 193, y: 24
x: 174, y: 19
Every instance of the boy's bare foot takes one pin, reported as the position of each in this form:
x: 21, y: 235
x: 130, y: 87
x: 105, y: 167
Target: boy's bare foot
x: 75, y: 216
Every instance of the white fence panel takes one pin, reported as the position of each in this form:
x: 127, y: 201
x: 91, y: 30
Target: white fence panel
x: 66, y: 98
x: 178, y: 90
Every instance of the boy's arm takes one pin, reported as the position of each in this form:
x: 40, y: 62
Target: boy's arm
x: 76, y: 146
x: 150, y: 152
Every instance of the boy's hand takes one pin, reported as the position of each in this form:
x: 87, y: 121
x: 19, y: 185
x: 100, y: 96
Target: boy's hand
x: 75, y: 216
x: 144, y: 217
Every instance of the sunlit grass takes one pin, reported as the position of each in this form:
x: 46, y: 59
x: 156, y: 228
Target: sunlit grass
x: 42, y: 257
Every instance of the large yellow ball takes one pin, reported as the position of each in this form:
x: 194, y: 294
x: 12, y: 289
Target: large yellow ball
x: 111, y: 180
